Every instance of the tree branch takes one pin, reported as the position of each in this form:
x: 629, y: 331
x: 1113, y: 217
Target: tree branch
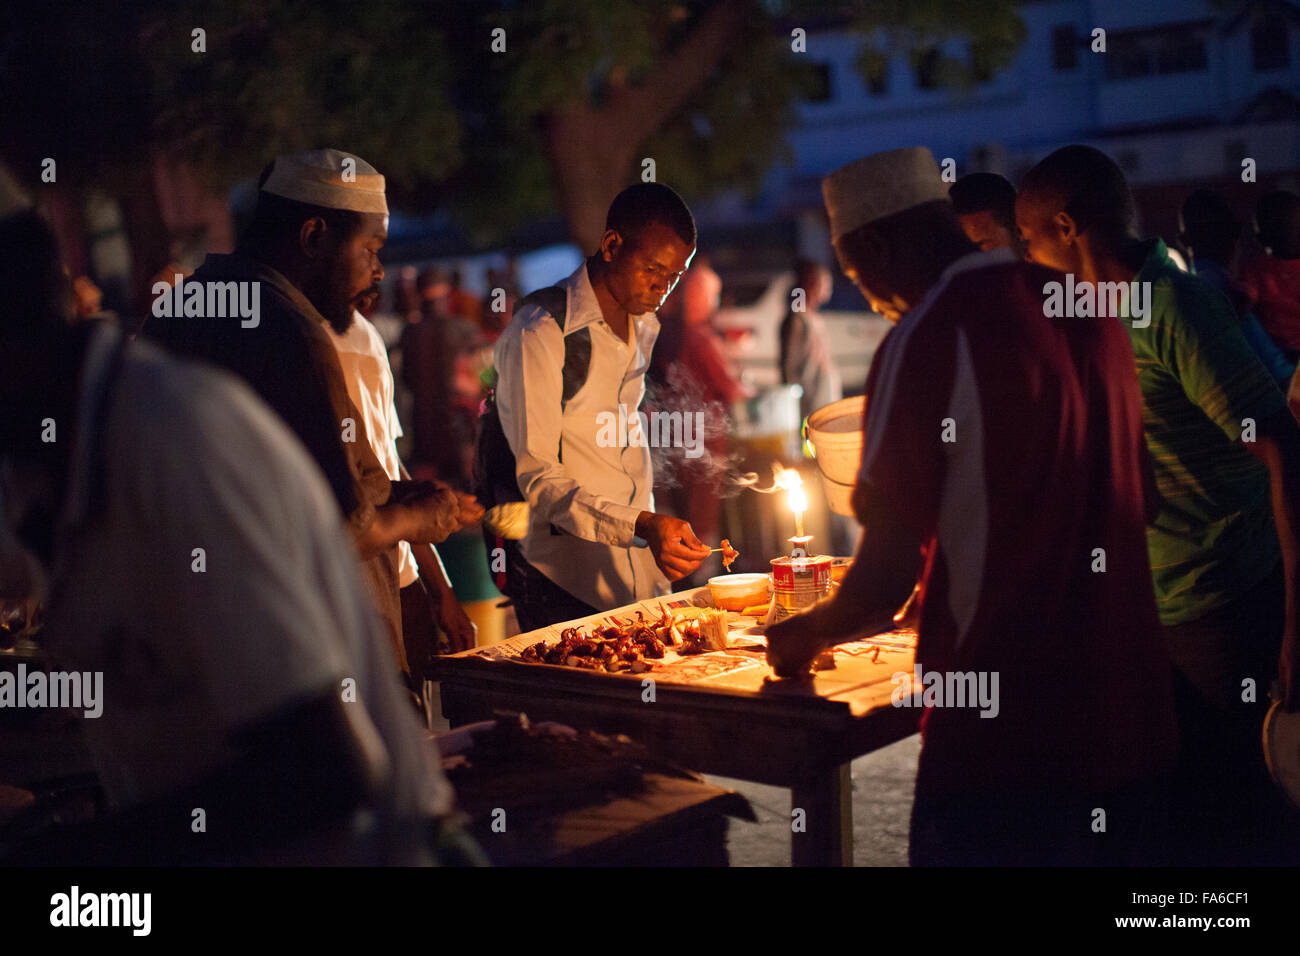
x: 643, y: 108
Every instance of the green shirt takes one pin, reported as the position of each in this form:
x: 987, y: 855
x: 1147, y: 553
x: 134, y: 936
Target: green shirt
x: 1214, y: 537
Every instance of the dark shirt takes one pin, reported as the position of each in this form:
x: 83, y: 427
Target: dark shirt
x: 289, y: 360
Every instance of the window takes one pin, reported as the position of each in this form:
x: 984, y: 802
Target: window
x: 1234, y: 150
x: 927, y: 68
x: 1065, y: 48
x: 981, y: 64
x: 1176, y: 49
x: 1270, y: 44
x: 875, y: 68
x: 1182, y: 54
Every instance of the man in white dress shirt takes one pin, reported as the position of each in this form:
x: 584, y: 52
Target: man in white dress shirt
x: 594, y: 541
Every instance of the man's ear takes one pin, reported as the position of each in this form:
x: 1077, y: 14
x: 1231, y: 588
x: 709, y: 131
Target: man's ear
x: 610, y: 244
x: 1066, y: 227
x: 312, y: 236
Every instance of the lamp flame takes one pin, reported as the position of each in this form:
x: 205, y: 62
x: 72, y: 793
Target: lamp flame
x: 794, y: 496
x: 797, y: 498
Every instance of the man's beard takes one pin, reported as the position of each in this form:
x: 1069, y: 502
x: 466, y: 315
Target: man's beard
x: 344, y: 320
x: 341, y: 321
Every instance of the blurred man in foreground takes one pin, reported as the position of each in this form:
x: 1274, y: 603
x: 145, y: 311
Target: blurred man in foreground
x: 196, y: 559
x: 1010, y: 446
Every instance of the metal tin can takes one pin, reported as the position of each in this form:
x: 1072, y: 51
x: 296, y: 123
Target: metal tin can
x: 798, y: 583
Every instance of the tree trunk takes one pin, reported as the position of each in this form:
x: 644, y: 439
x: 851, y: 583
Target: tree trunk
x: 593, y: 153
x: 590, y: 167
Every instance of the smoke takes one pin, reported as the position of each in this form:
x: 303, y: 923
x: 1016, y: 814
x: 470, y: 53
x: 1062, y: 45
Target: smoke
x: 781, y: 480
x: 674, y: 469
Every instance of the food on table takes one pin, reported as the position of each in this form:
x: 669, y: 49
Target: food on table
x: 729, y: 554
x: 757, y: 610
x: 703, y: 631
x: 614, y: 648
x: 629, y: 647
x: 735, y: 592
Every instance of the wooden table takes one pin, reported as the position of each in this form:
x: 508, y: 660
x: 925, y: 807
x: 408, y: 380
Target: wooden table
x: 800, y: 735
x: 672, y: 822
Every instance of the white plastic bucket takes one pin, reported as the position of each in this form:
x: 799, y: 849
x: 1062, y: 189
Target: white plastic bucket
x: 835, y: 433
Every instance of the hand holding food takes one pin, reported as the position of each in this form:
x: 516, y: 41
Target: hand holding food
x: 793, y: 645
x: 674, y: 545
x: 471, y: 512
x: 434, y: 516
x: 436, y: 509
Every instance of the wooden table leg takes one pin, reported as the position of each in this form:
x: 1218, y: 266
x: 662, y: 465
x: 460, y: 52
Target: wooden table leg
x: 824, y: 834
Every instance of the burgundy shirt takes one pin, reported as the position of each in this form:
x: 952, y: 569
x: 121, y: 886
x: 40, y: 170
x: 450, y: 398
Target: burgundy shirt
x: 1045, y: 465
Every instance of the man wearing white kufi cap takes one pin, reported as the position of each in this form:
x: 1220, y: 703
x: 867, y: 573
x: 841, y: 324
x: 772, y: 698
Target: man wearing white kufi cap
x: 309, y: 257
x: 1005, y: 449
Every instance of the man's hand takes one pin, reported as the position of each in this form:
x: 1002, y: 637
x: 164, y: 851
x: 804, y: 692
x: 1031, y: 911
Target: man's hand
x: 676, y: 549
x: 452, y: 619
x: 432, y: 518
x: 435, y: 510
x: 795, y: 642
x: 470, y: 511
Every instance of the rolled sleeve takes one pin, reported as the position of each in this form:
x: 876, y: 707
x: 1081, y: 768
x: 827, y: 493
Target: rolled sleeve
x: 529, y: 392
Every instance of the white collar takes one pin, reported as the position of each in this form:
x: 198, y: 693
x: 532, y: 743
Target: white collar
x: 584, y: 310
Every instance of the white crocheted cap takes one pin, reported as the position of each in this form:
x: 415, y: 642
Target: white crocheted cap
x: 877, y: 186
x: 325, y: 177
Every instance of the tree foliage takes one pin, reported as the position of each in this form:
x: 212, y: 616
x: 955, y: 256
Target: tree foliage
x: 552, y: 126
